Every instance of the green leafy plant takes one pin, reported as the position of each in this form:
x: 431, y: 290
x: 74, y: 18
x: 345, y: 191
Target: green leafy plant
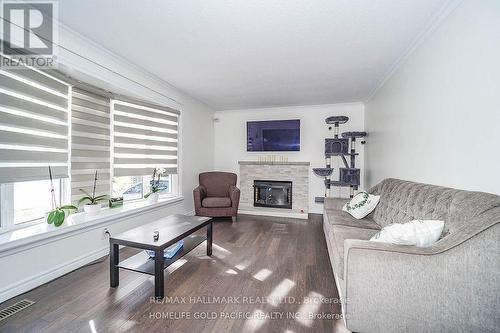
x: 92, y: 199
x: 154, y: 185
x: 58, y: 214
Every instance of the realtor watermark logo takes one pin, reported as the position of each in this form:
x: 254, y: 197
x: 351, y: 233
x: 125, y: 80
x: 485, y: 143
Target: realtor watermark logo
x: 29, y: 33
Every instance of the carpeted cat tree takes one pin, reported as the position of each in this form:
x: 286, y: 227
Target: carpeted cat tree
x: 345, y: 147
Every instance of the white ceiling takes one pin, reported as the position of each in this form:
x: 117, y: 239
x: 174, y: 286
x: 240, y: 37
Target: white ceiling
x: 258, y: 53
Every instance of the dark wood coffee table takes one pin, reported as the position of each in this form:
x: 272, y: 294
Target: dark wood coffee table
x: 171, y: 230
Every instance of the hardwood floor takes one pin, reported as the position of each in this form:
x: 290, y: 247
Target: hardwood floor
x: 261, y: 271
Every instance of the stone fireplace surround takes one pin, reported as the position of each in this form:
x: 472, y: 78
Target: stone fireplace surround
x: 296, y: 172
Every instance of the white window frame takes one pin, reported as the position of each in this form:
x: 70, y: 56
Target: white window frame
x: 174, y: 186
x: 7, y: 206
x: 173, y: 181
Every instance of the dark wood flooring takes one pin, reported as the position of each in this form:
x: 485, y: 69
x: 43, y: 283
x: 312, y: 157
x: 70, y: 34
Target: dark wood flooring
x: 261, y: 271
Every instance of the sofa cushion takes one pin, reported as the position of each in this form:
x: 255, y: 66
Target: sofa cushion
x: 338, y: 217
x: 338, y: 226
x: 340, y: 283
x: 402, y: 201
x: 335, y: 203
x: 212, y: 202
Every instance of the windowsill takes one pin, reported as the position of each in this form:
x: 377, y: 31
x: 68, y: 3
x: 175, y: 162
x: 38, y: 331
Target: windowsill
x: 75, y: 222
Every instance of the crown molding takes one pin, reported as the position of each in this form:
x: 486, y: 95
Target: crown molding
x: 118, y: 62
x: 434, y: 24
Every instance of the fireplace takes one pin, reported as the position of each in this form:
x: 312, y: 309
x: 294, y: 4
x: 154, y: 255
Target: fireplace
x: 270, y: 193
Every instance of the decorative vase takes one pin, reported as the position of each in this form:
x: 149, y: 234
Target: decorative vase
x: 92, y: 209
x: 153, y: 197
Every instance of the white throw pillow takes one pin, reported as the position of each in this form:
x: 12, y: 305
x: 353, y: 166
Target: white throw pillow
x: 361, y: 204
x: 417, y: 232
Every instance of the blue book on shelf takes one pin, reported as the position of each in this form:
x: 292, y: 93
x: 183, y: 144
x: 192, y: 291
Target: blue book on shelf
x: 169, y: 252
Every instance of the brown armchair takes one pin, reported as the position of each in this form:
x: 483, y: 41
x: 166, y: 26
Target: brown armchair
x: 217, y: 195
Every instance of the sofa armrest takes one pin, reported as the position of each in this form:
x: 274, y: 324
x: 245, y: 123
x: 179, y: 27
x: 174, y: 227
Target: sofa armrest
x: 391, y: 288
x: 379, y: 284
x: 234, y: 194
x: 350, y: 244
x: 199, y: 193
x: 461, y: 234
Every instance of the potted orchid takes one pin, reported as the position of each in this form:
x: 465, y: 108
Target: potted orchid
x: 154, y: 186
x: 94, y: 202
x: 58, y: 213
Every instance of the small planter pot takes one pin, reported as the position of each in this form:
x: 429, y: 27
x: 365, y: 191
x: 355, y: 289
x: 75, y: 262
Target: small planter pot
x: 92, y: 209
x: 153, y: 197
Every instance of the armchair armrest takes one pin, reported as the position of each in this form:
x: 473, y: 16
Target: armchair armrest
x: 199, y: 193
x: 234, y: 194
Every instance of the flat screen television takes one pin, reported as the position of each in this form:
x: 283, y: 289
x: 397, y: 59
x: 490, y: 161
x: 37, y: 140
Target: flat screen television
x: 273, y: 135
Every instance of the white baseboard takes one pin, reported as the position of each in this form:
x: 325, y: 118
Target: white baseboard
x: 35, y: 281
x: 32, y: 282
x: 276, y: 213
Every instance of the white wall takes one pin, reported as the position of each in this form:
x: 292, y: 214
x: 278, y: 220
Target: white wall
x: 230, y: 139
x: 29, y: 268
x: 437, y: 119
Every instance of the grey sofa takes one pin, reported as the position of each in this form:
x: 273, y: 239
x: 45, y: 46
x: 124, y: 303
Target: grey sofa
x: 451, y: 286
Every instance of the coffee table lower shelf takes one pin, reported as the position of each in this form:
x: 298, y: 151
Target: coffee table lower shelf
x: 170, y: 230
x: 142, y: 263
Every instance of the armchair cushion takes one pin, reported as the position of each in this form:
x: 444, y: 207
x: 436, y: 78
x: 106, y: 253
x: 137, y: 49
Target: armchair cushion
x: 217, y: 183
x: 212, y: 202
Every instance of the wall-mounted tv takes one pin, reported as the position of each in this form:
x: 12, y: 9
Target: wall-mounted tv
x: 273, y: 135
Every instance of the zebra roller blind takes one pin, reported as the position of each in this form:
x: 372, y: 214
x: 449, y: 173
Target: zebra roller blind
x: 34, y: 109
x: 90, y: 143
x: 144, y: 137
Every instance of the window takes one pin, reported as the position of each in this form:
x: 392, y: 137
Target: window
x: 32, y: 199
x: 34, y: 126
x: 90, y: 143
x: 145, y: 137
x: 25, y: 202
x: 136, y: 187
x: 77, y: 130
x: 128, y: 187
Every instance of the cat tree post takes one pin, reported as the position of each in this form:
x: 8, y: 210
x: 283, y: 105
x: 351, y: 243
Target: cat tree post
x: 352, y: 175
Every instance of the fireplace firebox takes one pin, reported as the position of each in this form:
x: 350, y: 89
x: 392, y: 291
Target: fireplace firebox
x: 270, y: 193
